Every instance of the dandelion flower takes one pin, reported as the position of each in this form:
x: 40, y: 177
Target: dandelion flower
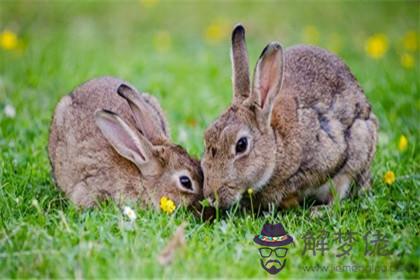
x: 311, y: 34
x: 8, y: 40
x: 376, y: 46
x: 389, y: 177
x: 410, y: 41
x: 216, y: 31
x: 402, y: 143
x: 129, y: 213
x: 149, y: 3
x: 407, y: 60
x: 10, y: 111
x: 167, y: 205
x: 250, y: 191
x: 162, y: 41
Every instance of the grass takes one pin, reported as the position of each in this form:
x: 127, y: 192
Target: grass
x: 164, y: 48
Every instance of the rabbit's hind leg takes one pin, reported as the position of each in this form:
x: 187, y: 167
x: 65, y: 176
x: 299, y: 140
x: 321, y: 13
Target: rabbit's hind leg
x: 361, y: 149
x: 82, y: 196
x: 363, y: 181
x: 339, y: 184
x: 361, y: 142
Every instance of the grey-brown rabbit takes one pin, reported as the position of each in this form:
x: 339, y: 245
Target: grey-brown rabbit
x: 109, y: 141
x: 303, y: 121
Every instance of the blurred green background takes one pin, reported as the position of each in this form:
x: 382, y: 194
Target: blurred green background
x: 179, y: 52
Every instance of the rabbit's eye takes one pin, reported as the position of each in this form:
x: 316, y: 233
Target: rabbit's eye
x: 186, y: 182
x: 241, y: 145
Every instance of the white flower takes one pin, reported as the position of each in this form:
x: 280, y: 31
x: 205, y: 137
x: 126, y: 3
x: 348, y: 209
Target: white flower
x: 182, y: 135
x: 129, y: 213
x: 10, y: 111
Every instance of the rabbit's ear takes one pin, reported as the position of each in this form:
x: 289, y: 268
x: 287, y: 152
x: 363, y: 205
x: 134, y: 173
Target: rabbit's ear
x: 125, y: 140
x: 240, y: 65
x: 148, y: 119
x: 268, y: 76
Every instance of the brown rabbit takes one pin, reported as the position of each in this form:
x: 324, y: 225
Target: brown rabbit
x: 109, y: 141
x: 304, y: 120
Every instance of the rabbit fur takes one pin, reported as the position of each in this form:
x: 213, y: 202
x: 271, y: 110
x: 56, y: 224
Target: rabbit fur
x: 109, y: 141
x: 309, y: 128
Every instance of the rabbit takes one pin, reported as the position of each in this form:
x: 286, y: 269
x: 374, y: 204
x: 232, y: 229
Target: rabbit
x: 302, y: 128
x: 109, y: 141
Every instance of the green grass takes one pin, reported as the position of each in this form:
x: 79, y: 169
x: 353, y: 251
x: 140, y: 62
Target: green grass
x: 66, y: 43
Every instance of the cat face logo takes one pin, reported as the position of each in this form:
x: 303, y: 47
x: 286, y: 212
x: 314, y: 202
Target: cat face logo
x: 273, y: 242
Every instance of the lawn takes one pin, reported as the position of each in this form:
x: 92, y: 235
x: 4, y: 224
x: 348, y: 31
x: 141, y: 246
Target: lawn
x: 179, y: 52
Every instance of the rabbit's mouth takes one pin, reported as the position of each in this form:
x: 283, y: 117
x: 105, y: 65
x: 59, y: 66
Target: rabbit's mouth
x: 226, y: 197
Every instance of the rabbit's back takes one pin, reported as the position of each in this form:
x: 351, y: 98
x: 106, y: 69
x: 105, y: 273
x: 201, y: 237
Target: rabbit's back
x: 322, y: 81
x: 322, y: 110
x: 84, y: 165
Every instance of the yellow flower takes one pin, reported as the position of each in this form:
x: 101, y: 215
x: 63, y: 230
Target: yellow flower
x: 311, y: 34
x: 167, y: 205
x: 216, y: 31
x: 149, y: 3
x: 389, y: 177
x: 8, y: 40
x: 250, y: 191
x: 162, y: 41
x: 410, y: 41
x: 407, y: 60
x: 402, y: 143
x: 376, y: 46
